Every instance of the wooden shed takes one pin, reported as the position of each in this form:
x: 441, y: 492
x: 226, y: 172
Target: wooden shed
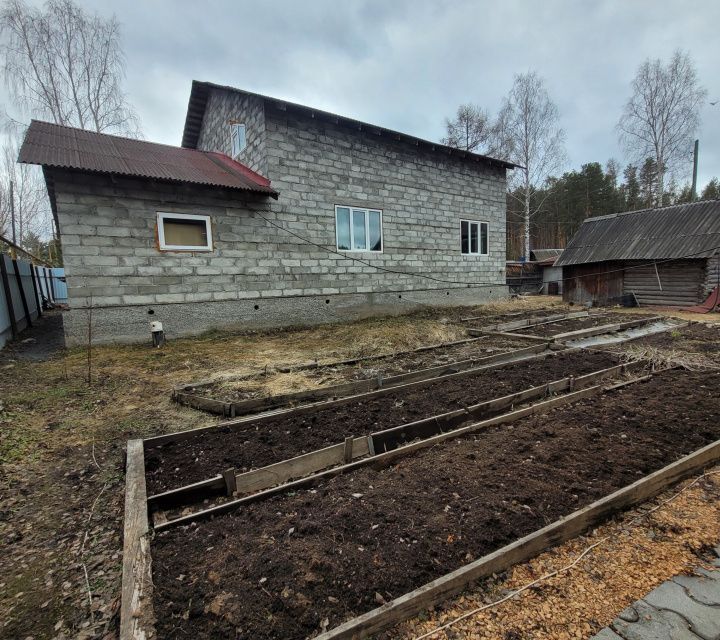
x: 666, y: 256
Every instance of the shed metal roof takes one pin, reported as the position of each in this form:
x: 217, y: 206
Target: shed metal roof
x: 201, y: 90
x: 52, y: 145
x: 679, y: 231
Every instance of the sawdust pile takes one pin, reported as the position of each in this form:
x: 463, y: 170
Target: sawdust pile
x: 577, y: 604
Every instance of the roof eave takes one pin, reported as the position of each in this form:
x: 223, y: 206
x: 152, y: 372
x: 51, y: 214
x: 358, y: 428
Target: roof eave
x: 265, y: 191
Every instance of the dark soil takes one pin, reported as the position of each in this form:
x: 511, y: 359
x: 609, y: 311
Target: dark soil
x: 290, y: 565
x: 209, y: 453
x: 331, y: 374
x: 576, y: 324
x: 695, y: 338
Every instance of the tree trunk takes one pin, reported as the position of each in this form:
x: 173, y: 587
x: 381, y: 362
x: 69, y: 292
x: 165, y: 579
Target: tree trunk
x: 660, y: 181
x: 526, y: 220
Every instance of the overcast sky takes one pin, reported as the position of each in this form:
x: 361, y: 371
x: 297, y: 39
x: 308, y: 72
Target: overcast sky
x: 407, y: 64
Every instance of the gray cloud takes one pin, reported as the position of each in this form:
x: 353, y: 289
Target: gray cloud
x: 406, y: 64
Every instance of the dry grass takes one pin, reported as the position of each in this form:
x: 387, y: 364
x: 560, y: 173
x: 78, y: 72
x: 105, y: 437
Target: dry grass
x: 659, y: 358
x: 577, y: 604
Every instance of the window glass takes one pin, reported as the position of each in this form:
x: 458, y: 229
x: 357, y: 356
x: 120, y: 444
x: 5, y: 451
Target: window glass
x: 343, y: 228
x: 237, y: 137
x: 185, y: 233
x: 375, y: 228
x: 465, y: 236
x: 473, y: 237
x: 359, y: 237
x: 358, y: 229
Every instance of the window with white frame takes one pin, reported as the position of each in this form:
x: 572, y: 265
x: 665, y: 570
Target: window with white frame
x: 237, y: 138
x: 184, y: 232
x: 358, y: 229
x: 474, y: 237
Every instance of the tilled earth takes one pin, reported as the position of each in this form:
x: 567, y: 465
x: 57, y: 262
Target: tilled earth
x: 297, y: 563
x: 577, y: 324
x: 209, y: 453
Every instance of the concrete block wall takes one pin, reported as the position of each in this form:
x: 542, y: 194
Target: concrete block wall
x: 258, y: 274
x: 224, y: 108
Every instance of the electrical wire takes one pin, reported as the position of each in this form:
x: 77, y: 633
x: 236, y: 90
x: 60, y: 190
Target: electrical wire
x: 473, y: 284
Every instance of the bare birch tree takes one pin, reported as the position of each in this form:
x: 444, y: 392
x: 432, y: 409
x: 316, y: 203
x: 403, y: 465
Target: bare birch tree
x: 470, y: 130
x: 662, y: 115
x: 65, y: 64
x: 527, y: 133
x: 22, y: 197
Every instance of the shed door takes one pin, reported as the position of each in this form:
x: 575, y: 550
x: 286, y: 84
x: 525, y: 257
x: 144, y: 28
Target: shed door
x: 677, y: 283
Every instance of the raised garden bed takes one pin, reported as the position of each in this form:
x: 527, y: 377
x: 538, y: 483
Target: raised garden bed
x: 233, y: 397
x: 253, y: 444
x: 578, y: 324
x: 300, y: 562
x: 698, y: 338
x: 258, y: 386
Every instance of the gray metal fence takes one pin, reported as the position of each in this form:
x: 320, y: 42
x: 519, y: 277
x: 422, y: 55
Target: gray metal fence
x: 25, y: 289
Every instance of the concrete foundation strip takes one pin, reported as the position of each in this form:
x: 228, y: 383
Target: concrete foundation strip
x: 378, y: 442
x: 232, y: 409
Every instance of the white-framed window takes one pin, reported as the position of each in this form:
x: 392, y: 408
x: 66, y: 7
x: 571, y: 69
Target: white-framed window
x: 474, y: 237
x: 238, y: 140
x: 184, y: 232
x: 358, y: 229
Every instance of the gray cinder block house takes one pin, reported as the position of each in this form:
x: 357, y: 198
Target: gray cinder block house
x: 270, y: 214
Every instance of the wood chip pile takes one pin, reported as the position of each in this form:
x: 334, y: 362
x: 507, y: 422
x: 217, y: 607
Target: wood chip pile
x: 574, y: 605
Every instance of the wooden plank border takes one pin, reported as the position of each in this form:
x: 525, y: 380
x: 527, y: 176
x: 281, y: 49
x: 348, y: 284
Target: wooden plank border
x: 253, y: 420
x: 384, y: 459
x: 232, y: 409
x: 378, y: 442
x: 524, y: 549
x: 136, y: 608
x: 332, y: 363
x: 606, y: 328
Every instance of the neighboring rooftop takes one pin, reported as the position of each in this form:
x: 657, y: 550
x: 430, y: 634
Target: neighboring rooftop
x: 545, y: 255
x: 679, y: 231
x: 52, y: 145
x: 201, y: 90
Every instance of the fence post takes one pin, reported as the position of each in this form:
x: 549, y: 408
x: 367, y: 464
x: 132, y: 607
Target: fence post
x: 52, y: 282
x: 23, y: 298
x: 47, y: 284
x: 38, y: 295
x: 8, y: 296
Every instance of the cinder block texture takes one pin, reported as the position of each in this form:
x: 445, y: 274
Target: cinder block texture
x: 112, y: 259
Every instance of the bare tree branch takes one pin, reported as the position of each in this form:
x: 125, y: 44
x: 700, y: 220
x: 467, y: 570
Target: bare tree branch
x: 64, y: 64
x: 527, y: 133
x: 661, y: 117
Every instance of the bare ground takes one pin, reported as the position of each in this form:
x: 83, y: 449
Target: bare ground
x: 61, y: 506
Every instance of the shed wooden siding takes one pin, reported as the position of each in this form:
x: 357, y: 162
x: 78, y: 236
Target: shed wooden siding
x: 679, y: 283
x: 591, y: 284
x: 712, y: 275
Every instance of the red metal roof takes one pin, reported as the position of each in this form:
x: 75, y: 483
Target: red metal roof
x: 52, y: 145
